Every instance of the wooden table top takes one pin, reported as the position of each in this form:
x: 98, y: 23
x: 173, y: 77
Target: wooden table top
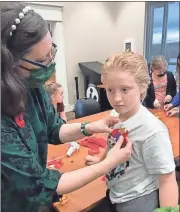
x: 86, y: 197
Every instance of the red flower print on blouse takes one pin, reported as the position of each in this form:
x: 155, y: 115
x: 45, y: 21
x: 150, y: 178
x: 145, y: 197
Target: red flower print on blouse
x: 19, y: 119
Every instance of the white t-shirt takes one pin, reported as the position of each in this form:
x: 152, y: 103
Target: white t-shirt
x: 152, y: 155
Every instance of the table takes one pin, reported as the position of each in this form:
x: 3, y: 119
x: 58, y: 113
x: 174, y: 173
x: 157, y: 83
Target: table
x: 172, y: 123
x: 87, y: 197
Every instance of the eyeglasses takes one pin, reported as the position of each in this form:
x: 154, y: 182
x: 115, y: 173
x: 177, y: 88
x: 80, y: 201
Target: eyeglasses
x: 53, y: 53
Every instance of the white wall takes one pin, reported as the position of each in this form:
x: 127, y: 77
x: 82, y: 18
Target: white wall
x: 131, y: 25
x: 95, y: 30
x: 89, y: 35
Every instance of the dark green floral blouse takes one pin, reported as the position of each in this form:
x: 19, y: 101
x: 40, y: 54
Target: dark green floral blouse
x: 26, y: 183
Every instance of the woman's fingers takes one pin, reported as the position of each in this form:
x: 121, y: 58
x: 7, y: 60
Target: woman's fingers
x: 112, y: 121
x: 128, y: 143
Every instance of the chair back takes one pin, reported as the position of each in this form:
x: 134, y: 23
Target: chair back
x: 86, y: 107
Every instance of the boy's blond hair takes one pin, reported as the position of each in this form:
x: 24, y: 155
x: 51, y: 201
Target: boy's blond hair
x: 159, y: 62
x: 130, y: 62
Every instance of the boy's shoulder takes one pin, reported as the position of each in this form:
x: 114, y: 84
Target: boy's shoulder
x: 143, y: 122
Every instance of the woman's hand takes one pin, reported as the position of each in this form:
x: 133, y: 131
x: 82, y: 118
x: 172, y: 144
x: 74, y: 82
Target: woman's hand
x: 157, y: 104
x: 102, y: 126
x: 168, y: 107
x: 173, y: 112
x: 90, y: 160
x: 118, y: 155
x: 115, y: 156
x: 167, y: 99
x: 71, y: 181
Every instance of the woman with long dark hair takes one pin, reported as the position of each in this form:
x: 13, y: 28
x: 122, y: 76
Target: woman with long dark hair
x: 29, y: 121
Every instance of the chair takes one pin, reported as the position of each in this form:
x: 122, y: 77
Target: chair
x: 86, y: 107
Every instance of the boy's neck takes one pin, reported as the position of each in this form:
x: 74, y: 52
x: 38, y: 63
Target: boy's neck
x: 124, y: 117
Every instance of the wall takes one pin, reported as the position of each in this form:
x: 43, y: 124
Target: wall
x: 131, y: 24
x: 89, y: 35
x: 95, y: 30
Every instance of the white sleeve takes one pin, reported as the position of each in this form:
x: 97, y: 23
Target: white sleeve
x: 158, y: 155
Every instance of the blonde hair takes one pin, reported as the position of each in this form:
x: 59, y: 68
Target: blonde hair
x: 158, y: 62
x: 51, y: 88
x: 132, y: 63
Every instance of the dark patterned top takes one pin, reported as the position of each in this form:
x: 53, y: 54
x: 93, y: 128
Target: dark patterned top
x: 27, y: 184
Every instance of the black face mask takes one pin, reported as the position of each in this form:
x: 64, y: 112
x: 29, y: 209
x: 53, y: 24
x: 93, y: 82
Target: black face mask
x: 162, y: 75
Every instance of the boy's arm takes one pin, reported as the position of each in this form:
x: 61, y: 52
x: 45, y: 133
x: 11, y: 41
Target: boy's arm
x: 158, y: 158
x: 168, y: 190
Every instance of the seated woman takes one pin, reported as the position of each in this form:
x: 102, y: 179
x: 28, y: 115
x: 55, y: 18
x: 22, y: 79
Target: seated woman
x: 163, y: 85
x: 55, y: 92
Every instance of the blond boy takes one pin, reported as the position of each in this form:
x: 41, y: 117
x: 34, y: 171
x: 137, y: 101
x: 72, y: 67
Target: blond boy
x: 148, y: 179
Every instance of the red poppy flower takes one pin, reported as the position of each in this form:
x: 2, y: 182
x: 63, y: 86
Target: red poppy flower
x: 19, y: 119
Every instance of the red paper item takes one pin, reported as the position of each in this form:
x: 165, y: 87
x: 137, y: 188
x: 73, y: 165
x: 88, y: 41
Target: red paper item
x: 116, y: 133
x: 56, y: 163
x: 93, y: 151
x: 125, y: 140
x: 94, y: 144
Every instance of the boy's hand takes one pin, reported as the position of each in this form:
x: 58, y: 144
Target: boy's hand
x: 90, y: 160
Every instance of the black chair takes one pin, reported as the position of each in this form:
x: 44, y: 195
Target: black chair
x: 86, y: 107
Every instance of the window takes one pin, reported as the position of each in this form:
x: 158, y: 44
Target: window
x: 162, y: 31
